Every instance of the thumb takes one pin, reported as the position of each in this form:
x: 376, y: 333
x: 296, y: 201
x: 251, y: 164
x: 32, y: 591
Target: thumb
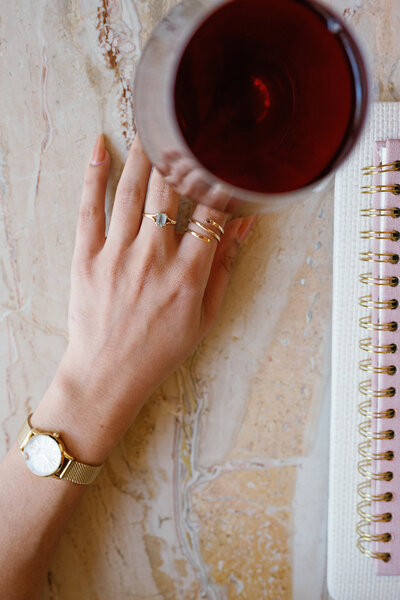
x: 235, y: 233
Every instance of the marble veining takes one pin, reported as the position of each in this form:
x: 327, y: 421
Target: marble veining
x: 219, y: 488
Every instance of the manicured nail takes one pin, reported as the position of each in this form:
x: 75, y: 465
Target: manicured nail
x: 99, y: 152
x: 245, y: 228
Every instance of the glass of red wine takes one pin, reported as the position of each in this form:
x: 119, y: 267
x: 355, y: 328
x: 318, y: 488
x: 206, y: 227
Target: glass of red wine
x: 249, y: 105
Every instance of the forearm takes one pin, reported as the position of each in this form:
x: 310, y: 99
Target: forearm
x: 35, y: 510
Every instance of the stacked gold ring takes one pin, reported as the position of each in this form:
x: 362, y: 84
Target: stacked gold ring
x: 204, y: 227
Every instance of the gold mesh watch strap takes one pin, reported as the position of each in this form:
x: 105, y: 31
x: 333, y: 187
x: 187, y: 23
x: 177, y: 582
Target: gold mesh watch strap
x: 23, y: 432
x: 80, y: 473
x: 74, y: 471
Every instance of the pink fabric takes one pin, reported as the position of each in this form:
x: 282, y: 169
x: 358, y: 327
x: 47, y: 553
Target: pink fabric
x: 383, y: 381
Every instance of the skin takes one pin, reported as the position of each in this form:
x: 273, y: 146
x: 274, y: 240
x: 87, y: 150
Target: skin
x: 141, y: 299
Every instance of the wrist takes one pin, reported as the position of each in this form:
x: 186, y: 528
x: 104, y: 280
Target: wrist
x: 90, y: 419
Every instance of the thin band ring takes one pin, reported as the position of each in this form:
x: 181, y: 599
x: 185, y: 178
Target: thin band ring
x: 207, y: 229
x: 216, y: 225
x: 199, y: 236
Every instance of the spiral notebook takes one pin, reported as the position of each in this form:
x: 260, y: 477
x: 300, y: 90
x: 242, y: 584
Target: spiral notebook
x: 364, y: 494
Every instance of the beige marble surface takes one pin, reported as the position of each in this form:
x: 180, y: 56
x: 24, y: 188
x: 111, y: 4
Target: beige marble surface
x: 219, y: 490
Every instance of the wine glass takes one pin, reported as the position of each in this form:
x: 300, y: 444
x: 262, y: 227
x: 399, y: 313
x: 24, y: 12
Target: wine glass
x: 250, y: 105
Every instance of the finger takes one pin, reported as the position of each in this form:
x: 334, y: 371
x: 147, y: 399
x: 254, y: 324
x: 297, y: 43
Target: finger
x: 185, y: 175
x: 91, y: 220
x: 161, y: 200
x: 130, y: 196
x: 224, y: 260
x: 196, y: 247
x: 177, y: 170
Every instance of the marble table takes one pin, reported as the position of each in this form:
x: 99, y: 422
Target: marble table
x: 219, y: 490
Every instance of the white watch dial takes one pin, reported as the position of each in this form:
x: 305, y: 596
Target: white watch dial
x: 42, y: 455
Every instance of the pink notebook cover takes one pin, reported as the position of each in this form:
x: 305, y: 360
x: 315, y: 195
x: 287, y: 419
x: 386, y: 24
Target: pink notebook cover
x: 381, y: 401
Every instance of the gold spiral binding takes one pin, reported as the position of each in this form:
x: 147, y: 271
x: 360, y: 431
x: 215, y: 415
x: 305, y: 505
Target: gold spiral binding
x: 366, y: 407
x: 367, y: 302
x: 367, y: 366
x: 366, y: 323
x: 368, y: 537
x: 381, y: 258
x: 392, y: 235
x: 385, y: 556
x: 364, y: 410
x: 381, y: 518
x: 363, y: 488
x: 381, y: 212
x: 394, y: 188
x: 376, y: 169
x: 369, y: 280
x: 363, y: 450
x: 367, y: 345
x: 365, y: 430
x: 365, y: 472
x: 366, y: 389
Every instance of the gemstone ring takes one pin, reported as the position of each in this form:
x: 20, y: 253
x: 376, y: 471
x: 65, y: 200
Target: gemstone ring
x: 160, y: 219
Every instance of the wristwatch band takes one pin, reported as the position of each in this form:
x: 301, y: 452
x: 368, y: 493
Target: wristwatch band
x: 23, y: 432
x: 73, y: 471
x: 80, y: 473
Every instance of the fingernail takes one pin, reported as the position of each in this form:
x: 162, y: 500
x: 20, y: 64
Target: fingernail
x: 99, y: 152
x: 245, y: 228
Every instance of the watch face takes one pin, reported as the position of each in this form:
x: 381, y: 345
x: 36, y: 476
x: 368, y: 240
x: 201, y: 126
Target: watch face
x: 42, y: 455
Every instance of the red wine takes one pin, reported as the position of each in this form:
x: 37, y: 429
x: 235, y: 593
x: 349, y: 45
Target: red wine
x: 268, y: 93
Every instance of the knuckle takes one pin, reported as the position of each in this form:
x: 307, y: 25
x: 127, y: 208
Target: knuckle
x: 91, y: 178
x: 88, y: 212
x: 129, y: 191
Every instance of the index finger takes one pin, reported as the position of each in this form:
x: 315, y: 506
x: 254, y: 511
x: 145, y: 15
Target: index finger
x: 130, y: 196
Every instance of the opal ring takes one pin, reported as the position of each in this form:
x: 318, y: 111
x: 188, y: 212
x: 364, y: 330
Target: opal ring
x: 160, y: 219
x: 204, y: 227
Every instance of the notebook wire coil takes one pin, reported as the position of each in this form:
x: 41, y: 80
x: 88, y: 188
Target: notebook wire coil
x: 369, y: 428
x: 379, y: 258
x: 377, y: 169
x: 393, y: 188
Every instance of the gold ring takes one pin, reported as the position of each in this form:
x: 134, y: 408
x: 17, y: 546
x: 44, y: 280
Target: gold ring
x: 199, y: 236
x: 160, y: 219
x: 216, y: 225
x: 205, y: 228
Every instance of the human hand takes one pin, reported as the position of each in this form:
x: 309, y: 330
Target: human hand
x: 142, y: 298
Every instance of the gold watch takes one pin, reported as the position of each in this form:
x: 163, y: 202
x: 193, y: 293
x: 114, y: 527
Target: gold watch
x: 45, y: 455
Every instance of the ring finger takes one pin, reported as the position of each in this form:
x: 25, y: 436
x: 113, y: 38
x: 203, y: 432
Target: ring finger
x: 160, y: 211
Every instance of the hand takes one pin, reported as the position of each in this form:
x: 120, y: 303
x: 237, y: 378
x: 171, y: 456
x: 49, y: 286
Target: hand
x: 142, y: 298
